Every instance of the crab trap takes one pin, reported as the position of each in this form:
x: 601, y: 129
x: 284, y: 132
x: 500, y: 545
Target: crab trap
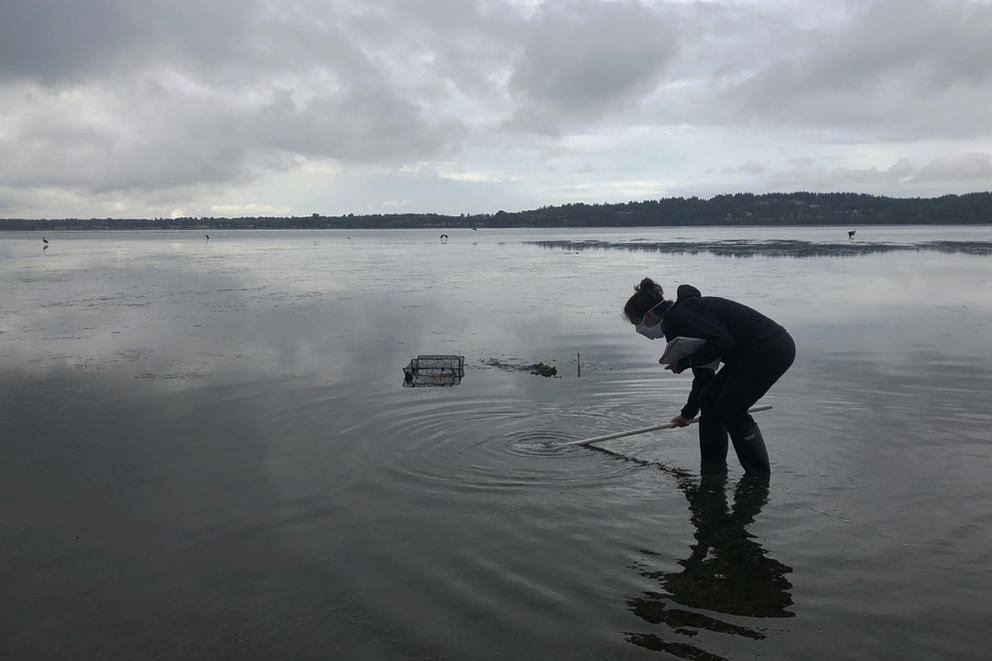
x: 436, y: 371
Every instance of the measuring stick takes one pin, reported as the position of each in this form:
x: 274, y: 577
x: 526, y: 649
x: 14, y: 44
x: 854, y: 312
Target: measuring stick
x: 643, y: 430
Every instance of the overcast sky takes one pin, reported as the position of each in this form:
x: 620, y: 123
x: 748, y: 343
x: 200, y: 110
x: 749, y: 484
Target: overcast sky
x: 136, y: 108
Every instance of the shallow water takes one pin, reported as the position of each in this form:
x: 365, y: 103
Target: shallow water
x: 207, y: 449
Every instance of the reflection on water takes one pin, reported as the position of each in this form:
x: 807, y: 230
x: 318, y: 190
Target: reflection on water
x: 727, y: 571
x: 206, y: 450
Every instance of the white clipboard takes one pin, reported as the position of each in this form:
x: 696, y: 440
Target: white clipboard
x: 679, y: 348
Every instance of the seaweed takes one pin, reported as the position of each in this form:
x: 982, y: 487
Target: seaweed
x: 540, y: 369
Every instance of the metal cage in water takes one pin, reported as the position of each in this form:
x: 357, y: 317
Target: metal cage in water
x: 426, y: 371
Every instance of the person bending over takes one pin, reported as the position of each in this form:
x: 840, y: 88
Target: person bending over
x: 755, y: 352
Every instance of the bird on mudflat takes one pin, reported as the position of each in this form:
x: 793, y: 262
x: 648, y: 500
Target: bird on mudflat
x: 850, y: 234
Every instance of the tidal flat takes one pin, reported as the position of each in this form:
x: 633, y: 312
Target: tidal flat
x: 206, y: 448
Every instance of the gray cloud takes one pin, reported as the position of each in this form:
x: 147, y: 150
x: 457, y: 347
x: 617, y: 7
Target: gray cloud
x: 889, y: 69
x: 128, y: 117
x: 58, y: 41
x: 156, y: 145
x: 185, y: 101
x: 368, y: 125
x: 750, y: 167
x: 166, y: 142
x: 969, y: 167
x: 583, y: 58
x: 904, y: 175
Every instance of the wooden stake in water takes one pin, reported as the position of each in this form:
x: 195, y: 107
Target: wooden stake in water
x: 644, y: 430
x: 578, y: 365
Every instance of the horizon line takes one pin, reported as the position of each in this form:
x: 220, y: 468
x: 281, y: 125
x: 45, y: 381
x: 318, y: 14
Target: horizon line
x: 499, y: 211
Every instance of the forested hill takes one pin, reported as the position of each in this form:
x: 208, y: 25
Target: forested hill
x: 847, y: 209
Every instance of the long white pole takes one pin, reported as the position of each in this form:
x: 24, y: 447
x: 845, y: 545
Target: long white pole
x: 643, y: 430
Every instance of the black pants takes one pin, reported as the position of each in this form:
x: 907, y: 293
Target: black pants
x: 736, y: 387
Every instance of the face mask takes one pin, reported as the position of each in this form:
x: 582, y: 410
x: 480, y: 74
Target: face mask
x: 651, y: 332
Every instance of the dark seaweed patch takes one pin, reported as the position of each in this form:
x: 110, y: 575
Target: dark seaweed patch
x: 771, y: 248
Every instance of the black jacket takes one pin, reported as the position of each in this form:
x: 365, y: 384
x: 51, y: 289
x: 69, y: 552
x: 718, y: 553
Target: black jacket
x: 728, y: 327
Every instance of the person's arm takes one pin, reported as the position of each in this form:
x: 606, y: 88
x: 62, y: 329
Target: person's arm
x: 694, y: 322
x: 700, y: 377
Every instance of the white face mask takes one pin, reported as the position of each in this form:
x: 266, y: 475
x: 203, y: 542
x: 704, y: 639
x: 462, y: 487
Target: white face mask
x: 651, y: 332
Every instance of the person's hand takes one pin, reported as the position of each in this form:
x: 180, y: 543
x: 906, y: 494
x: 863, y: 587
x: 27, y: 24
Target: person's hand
x: 679, y: 421
x: 673, y: 367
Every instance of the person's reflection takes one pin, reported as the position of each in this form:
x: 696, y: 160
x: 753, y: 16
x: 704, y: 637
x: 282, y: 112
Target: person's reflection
x: 727, y: 571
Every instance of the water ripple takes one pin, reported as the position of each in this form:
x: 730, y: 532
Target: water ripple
x: 470, y: 445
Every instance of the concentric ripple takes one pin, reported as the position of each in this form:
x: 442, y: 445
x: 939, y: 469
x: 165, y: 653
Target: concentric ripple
x: 537, y: 443
x: 443, y: 441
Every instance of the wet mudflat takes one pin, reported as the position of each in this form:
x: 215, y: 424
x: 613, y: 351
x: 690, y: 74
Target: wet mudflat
x: 206, y: 448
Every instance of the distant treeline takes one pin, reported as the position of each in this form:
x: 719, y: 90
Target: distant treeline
x: 848, y: 209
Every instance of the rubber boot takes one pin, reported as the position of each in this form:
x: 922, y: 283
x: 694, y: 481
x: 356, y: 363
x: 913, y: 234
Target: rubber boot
x: 712, y: 446
x: 750, y: 448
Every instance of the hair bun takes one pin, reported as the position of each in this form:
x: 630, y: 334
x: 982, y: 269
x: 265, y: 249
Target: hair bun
x: 649, y: 287
x: 648, y: 294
